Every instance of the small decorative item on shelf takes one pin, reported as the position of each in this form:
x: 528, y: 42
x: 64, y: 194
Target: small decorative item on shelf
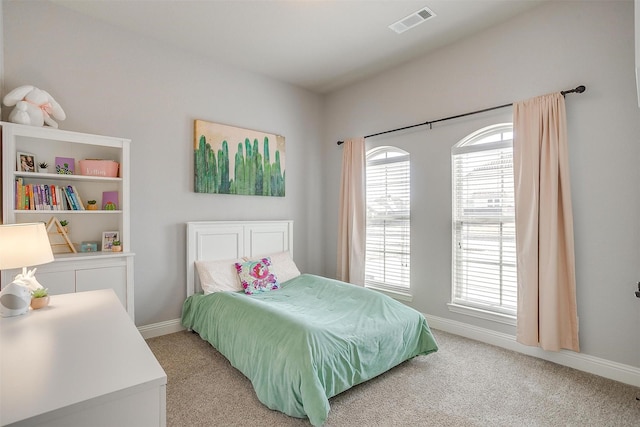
x: 89, y: 246
x: 26, y: 162
x: 108, y: 238
x: 65, y: 165
x: 97, y: 167
x: 116, y: 247
x: 39, y: 298
x: 58, y: 237
x: 43, y: 167
x: 65, y: 225
x: 33, y: 106
x: 110, y: 200
x: 91, y: 205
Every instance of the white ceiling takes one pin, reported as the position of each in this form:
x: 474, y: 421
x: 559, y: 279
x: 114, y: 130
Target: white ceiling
x: 318, y: 45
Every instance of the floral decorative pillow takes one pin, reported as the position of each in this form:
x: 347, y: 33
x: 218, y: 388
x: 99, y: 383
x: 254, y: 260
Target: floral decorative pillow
x: 257, y: 276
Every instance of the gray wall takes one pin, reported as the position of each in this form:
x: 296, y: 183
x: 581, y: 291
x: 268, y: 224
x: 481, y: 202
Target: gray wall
x: 114, y: 82
x: 554, y: 47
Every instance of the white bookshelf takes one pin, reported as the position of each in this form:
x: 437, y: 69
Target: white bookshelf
x: 83, y: 270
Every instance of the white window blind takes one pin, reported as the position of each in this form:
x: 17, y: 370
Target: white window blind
x: 388, y: 197
x: 484, y: 250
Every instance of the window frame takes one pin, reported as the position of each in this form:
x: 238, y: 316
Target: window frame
x: 473, y: 143
x: 399, y: 156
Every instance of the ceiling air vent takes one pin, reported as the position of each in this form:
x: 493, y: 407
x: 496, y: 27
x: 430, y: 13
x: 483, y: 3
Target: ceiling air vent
x: 412, y: 20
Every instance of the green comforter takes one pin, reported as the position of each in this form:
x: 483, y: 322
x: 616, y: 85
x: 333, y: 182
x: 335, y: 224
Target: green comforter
x: 310, y: 340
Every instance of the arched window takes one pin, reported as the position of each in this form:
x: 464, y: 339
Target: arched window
x: 388, y: 249
x: 484, y: 246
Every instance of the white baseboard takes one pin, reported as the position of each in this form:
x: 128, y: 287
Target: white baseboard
x: 162, y: 328
x: 612, y: 370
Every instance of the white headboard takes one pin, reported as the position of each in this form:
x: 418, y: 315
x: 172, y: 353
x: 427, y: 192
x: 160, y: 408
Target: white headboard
x: 220, y: 240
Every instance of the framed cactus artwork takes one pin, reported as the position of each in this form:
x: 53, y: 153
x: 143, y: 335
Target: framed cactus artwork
x: 232, y: 160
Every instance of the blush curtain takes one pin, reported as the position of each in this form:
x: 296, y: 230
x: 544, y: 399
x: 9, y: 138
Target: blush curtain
x: 352, y: 219
x: 547, y: 313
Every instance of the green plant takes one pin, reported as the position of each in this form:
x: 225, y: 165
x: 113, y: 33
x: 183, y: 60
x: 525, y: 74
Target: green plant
x: 43, y: 165
x: 64, y: 223
x: 40, y: 293
x: 92, y: 202
x: 116, y: 243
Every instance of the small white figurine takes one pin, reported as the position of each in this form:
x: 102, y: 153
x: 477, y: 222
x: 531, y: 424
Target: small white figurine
x: 33, y: 107
x: 28, y: 279
x: 14, y: 299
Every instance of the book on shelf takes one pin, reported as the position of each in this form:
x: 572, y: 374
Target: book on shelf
x: 62, y: 195
x: 54, y: 198
x: 78, y: 198
x: 16, y: 192
x: 70, y: 198
x: 30, y: 202
x: 48, y: 197
x: 67, y: 199
x: 38, y: 197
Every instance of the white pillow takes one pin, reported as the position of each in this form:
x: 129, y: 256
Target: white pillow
x: 282, y: 265
x: 218, y: 276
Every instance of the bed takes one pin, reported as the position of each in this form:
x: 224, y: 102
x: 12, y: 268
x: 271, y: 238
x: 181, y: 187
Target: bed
x: 304, y: 342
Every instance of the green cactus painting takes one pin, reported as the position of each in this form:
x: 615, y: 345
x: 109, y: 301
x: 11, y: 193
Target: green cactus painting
x: 248, y: 172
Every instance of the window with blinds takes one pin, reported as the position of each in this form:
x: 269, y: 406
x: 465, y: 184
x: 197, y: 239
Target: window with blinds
x: 484, y: 241
x: 388, y: 197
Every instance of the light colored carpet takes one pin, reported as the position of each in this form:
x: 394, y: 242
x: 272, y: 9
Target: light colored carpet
x: 466, y: 383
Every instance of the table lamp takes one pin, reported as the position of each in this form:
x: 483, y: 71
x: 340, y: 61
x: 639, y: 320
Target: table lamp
x: 22, y: 246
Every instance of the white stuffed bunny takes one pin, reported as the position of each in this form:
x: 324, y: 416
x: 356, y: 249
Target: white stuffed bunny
x: 33, y: 107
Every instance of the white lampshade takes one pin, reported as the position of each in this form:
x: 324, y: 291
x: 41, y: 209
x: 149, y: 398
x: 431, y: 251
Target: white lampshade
x: 24, y: 245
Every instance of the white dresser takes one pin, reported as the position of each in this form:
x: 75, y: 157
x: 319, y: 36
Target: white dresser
x: 79, y: 362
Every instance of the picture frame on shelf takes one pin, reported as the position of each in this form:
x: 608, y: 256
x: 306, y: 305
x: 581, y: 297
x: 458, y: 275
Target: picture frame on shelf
x: 26, y: 162
x: 110, y: 200
x: 108, y: 237
x: 65, y: 165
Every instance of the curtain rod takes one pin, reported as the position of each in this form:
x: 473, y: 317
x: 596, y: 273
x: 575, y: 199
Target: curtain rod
x: 579, y: 89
